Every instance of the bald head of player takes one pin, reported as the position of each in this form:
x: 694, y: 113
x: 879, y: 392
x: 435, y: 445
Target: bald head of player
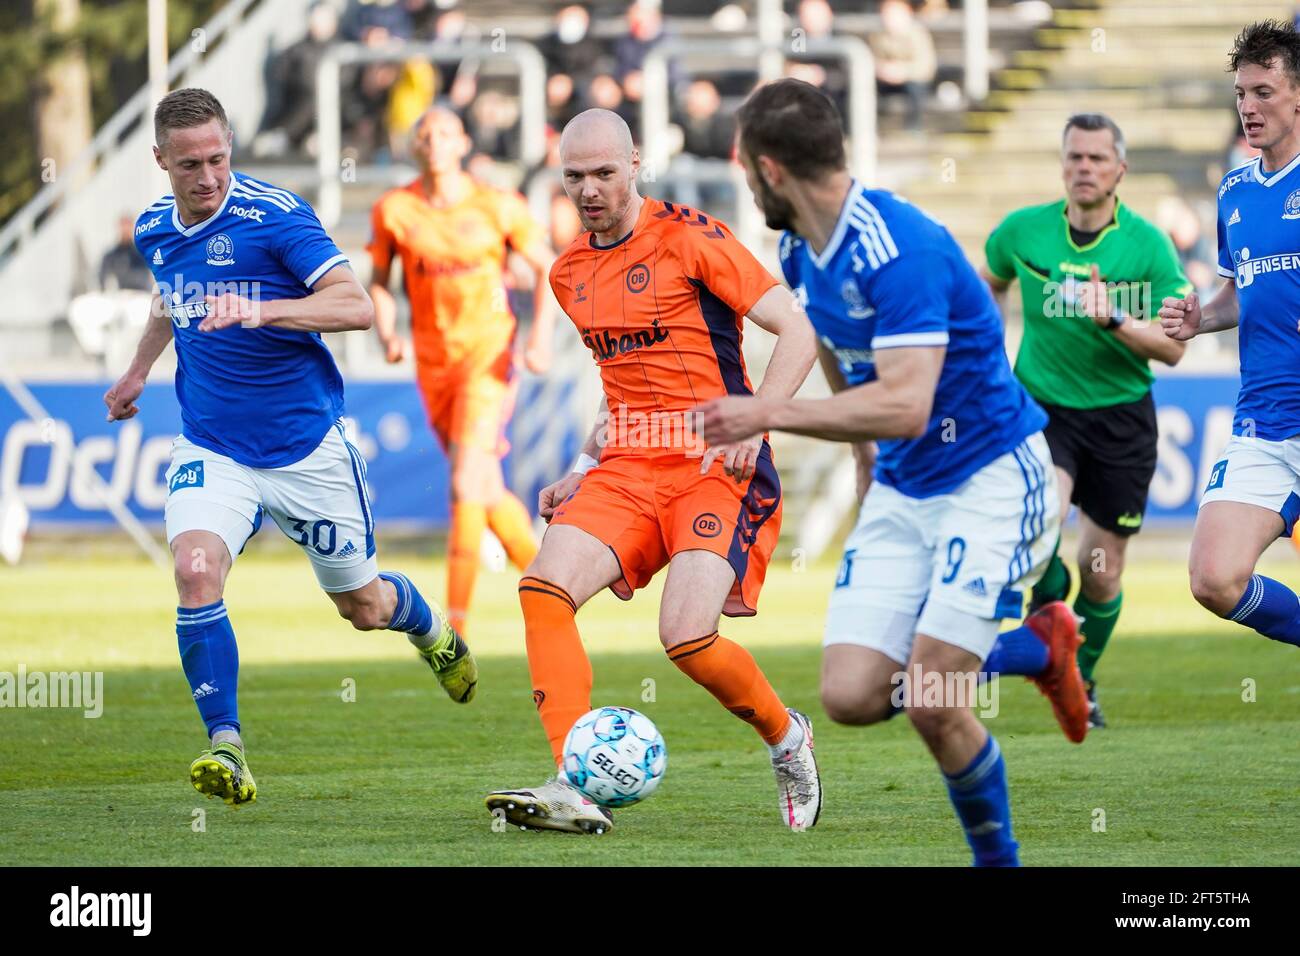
x: 599, y: 165
x: 192, y: 145
x: 439, y: 142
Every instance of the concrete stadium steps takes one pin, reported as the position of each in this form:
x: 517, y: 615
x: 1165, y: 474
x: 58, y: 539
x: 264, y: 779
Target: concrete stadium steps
x: 1161, y: 75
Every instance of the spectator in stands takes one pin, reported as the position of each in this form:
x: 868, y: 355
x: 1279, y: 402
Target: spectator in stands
x: 423, y: 14
x: 570, y: 49
x: 706, y: 131
x: 366, y: 101
x: 461, y: 79
x: 107, y: 322
x: 905, y: 59
x: 816, y: 22
x: 409, y: 98
x: 289, y: 123
x: 633, y: 87
x: 391, y: 16
x: 493, y: 124
x: 561, y: 100
x: 604, y: 92
x: 122, y: 266
x: 645, y: 28
x: 1181, y: 223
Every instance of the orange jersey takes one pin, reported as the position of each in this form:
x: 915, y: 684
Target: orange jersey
x: 453, y: 259
x: 662, y: 310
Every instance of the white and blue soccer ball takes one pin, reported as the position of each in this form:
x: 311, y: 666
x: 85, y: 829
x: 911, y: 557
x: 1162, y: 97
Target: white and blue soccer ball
x: 614, y: 756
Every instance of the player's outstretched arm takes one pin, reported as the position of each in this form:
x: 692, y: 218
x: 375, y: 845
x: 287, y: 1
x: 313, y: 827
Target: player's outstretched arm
x: 864, y: 452
x: 1185, y: 318
x: 896, y: 405
x: 796, y: 342
x: 120, y: 399
x: 796, y: 348
x: 338, y: 303
x: 386, y: 314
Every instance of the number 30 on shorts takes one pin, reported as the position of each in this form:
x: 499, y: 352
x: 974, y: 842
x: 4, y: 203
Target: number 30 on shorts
x: 322, y: 536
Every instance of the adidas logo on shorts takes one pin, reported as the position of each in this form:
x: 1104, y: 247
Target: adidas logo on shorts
x: 348, y: 550
x: 975, y: 587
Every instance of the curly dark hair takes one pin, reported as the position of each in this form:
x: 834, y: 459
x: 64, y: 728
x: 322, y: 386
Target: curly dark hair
x: 1265, y: 41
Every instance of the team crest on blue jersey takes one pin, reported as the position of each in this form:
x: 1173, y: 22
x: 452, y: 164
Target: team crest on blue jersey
x: 1291, y: 208
x: 854, y: 302
x: 221, y: 251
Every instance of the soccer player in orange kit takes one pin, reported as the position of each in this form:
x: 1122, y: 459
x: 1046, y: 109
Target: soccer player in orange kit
x: 452, y: 234
x: 659, y: 294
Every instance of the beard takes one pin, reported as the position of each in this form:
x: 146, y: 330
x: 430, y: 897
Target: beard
x: 777, y: 212
x: 610, y: 218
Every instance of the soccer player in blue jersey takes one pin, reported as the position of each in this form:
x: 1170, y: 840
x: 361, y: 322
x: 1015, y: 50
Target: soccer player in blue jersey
x: 247, y: 280
x: 1253, y: 495
x: 962, y: 514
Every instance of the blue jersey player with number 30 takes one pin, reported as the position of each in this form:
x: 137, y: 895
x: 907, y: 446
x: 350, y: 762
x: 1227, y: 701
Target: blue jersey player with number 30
x: 961, y: 516
x: 246, y: 281
x: 1253, y: 494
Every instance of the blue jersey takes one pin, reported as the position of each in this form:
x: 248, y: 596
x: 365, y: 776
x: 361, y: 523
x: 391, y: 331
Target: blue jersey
x: 266, y: 396
x: 892, y: 277
x: 1259, y: 248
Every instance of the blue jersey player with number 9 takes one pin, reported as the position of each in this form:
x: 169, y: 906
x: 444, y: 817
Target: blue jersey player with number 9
x: 961, y: 516
x: 246, y: 281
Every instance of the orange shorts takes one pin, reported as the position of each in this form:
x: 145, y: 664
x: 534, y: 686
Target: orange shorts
x: 649, y: 507
x: 470, y: 404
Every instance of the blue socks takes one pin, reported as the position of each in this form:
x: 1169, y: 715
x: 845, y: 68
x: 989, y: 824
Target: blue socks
x: 412, y: 614
x: 1017, y: 651
x: 979, y: 795
x: 210, y: 659
x: 1271, y: 608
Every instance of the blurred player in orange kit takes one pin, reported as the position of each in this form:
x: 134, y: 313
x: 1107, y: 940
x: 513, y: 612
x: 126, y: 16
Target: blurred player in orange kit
x: 659, y: 294
x: 452, y: 234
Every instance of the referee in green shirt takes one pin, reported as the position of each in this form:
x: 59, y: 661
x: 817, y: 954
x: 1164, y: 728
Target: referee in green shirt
x: 1092, y: 274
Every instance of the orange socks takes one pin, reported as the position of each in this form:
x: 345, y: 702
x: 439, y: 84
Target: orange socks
x: 464, y: 547
x: 513, y: 526
x: 557, y: 661
x: 728, y: 672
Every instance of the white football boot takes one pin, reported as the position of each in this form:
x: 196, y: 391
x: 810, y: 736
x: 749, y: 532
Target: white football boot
x: 798, y: 784
x: 555, y: 805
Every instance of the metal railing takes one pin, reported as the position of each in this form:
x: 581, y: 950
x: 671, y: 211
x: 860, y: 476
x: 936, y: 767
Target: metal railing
x: 22, y: 226
x: 522, y: 57
x: 751, y: 52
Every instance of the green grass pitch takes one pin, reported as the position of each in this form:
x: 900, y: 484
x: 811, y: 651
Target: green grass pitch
x: 1188, y: 772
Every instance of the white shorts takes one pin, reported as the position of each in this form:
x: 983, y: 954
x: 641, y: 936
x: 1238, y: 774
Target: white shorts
x: 320, y: 502
x: 952, y: 566
x: 1258, y: 472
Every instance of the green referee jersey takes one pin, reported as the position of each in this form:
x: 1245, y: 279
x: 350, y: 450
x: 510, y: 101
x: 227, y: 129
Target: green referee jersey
x: 1065, y: 358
